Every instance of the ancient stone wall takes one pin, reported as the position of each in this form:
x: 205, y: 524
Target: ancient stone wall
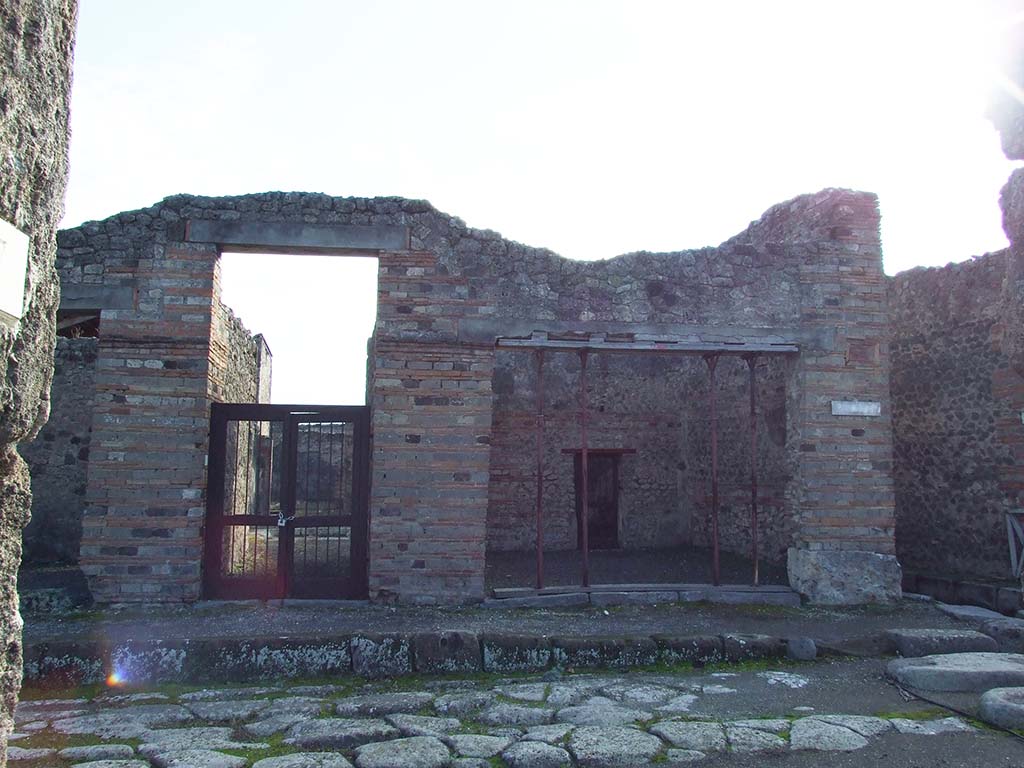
x: 36, y: 41
x: 808, y: 272
x: 59, y: 457
x: 956, y: 419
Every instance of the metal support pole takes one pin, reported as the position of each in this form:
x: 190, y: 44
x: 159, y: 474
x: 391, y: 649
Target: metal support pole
x: 716, y: 574
x: 584, y: 471
x: 540, y: 469
x: 751, y: 364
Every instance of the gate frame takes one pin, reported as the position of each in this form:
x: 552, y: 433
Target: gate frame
x: 218, y: 587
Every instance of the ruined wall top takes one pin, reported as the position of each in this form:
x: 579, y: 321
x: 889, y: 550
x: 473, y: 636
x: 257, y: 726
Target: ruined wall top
x: 752, y: 279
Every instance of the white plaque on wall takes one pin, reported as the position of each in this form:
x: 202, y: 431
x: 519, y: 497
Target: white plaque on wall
x: 13, y: 264
x: 856, y: 408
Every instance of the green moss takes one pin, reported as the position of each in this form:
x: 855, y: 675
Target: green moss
x: 928, y: 713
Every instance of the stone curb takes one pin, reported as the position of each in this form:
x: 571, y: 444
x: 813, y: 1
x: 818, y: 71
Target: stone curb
x: 369, y: 655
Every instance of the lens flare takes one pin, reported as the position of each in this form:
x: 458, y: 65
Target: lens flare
x: 114, y: 679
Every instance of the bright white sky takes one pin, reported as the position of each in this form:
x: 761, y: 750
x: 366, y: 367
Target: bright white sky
x: 587, y: 126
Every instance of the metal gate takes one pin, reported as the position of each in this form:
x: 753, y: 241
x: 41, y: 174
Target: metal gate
x: 287, y: 500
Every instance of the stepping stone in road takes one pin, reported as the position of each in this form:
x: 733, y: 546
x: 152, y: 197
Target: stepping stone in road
x: 926, y: 642
x: 1003, y: 707
x: 960, y: 671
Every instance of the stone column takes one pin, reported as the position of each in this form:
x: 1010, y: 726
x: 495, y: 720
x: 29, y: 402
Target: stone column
x: 36, y: 42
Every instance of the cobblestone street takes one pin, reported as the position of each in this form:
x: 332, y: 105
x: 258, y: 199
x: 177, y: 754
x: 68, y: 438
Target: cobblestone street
x: 739, y: 715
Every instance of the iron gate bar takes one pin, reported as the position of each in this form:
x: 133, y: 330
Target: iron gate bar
x: 712, y: 361
x: 540, y: 468
x: 751, y: 364
x: 584, y: 522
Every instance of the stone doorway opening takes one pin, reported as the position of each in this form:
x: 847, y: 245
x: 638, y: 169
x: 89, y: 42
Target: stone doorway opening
x: 679, y: 489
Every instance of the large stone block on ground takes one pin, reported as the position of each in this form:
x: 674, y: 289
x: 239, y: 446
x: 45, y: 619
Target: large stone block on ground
x: 960, y: 671
x: 1008, y: 634
x: 840, y: 577
x: 690, y: 650
x: 376, y: 655
x: 926, y: 642
x: 1003, y: 707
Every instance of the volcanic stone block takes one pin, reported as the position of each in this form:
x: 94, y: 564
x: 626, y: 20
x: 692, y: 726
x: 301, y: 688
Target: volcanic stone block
x: 448, y: 651
x: 515, y: 653
x: 612, y: 652
x: 925, y: 642
x: 841, y: 577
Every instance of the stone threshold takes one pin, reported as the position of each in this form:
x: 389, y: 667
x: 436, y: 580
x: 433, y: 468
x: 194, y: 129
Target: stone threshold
x: 641, y: 594
x: 1004, y: 600
x: 371, y: 655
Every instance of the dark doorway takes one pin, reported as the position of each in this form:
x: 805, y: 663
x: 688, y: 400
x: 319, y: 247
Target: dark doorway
x: 603, y: 500
x: 287, y: 502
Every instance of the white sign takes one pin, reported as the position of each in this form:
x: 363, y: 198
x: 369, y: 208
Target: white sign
x: 856, y: 408
x: 13, y: 265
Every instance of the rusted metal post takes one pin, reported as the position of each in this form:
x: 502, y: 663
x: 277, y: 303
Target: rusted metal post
x: 540, y: 469
x: 584, y: 471
x: 751, y: 364
x: 716, y: 574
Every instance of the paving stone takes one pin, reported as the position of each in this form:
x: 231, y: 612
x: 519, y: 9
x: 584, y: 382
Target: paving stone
x: 99, y: 752
x: 463, y: 703
x: 925, y: 642
x: 682, y: 757
x: 232, y: 710
x: 640, y: 695
x: 222, y: 694
x: 716, y: 690
x: 474, y: 745
x: 512, y: 714
x: 114, y: 764
x: 814, y: 734
x: 598, y: 710
x: 960, y: 671
x: 166, y: 740
x: 131, y: 698
x: 268, y: 726
x: 16, y: 754
x: 931, y: 727
x: 753, y: 740
x: 318, y: 691
x: 524, y: 691
x: 126, y: 723
x: 549, y: 734
x: 384, y: 704
x: 1003, y: 707
x: 535, y: 754
x: 703, y: 737
x: 567, y: 694
x: 611, y: 747
x: 866, y: 726
x: 774, y: 725
x: 198, y: 758
x: 304, y: 760
x: 413, y: 752
x: 971, y: 613
x: 677, y: 705
x: 422, y: 725
x: 338, y: 733
x: 471, y: 762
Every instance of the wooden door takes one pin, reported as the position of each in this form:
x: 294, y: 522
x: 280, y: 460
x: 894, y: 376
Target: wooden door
x: 603, y: 501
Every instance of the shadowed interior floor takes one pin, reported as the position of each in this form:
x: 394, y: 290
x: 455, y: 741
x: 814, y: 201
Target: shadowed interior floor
x: 678, y: 565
